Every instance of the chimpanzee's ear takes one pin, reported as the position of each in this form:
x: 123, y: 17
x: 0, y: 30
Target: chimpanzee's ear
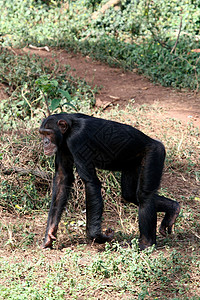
x: 62, y: 124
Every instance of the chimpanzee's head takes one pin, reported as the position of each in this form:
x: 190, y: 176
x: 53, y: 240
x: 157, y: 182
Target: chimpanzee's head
x: 52, y: 131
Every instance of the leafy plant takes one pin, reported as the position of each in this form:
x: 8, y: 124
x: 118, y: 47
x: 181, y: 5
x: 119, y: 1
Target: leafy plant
x: 50, y: 92
x: 34, y: 84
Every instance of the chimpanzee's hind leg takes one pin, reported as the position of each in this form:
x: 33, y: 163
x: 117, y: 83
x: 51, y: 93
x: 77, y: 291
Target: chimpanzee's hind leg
x: 129, y: 182
x: 131, y: 192
x: 148, y: 184
x: 140, y: 185
x: 171, y: 209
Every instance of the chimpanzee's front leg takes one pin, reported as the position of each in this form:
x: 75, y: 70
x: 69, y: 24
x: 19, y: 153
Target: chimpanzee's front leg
x: 94, y: 210
x: 62, y: 182
x: 94, y: 205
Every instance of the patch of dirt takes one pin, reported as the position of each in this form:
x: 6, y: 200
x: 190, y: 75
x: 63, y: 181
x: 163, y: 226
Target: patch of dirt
x: 120, y: 87
x: 3, y: 94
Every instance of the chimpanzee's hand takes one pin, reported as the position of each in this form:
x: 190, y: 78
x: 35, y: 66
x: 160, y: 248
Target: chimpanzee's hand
x: 50, y: 237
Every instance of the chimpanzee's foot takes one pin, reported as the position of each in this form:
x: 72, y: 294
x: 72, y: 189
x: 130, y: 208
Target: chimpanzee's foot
x: 109, y: 234
x: 106, y: 237
x: 169, y: 220
x: 50, y: 237
x: 144, y: 243
x: 103, y: 238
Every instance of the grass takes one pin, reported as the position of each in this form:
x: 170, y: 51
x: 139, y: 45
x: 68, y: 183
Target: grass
x: 119, y: 272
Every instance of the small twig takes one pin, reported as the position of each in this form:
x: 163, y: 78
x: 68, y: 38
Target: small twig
x: 197, y: 236
x: 162, y: 43
x: 106, y: 6
x: 23, y: 96
x: 86, y: 37
x: 55, y: 71
x: 47, y: 105
x: 177, y: 36
x: 13, y: 51
x: 39, y: 48
x: 25, y: 172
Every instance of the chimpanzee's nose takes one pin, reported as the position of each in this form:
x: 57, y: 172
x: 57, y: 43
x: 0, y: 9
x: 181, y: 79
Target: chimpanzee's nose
x: 46, y: 142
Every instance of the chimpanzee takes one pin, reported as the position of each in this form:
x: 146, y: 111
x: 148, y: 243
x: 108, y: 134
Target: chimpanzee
x: 89, y: 143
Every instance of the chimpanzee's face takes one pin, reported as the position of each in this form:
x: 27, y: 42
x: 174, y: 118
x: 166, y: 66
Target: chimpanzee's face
x: 49, y: 142
x: 52, y: 135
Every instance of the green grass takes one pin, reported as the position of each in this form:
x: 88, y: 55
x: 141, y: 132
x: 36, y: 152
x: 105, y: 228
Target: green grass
x: 81, y: 273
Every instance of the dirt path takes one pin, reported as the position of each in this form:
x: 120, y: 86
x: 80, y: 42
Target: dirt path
x: 119, y: 86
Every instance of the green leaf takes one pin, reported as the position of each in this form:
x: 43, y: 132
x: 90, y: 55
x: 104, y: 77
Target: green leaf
x: 54, y: 104
x: 54, y: 83
x: 65, y: 94
x: 69, y: 104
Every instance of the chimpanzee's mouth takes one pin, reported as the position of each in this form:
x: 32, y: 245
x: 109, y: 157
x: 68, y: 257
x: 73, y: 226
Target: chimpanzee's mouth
x: 50, y: 152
